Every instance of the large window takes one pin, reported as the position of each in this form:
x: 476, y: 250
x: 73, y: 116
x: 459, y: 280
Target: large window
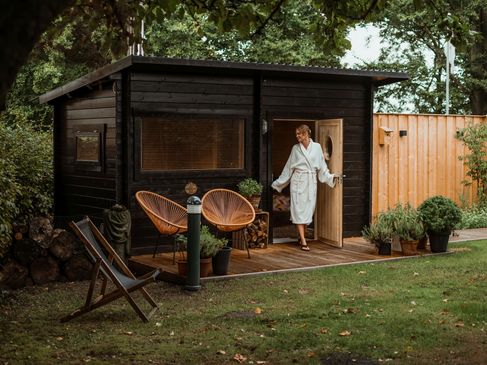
x: 192, y: 143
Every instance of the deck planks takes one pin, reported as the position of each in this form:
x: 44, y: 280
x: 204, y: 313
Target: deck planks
x: 281, y: 257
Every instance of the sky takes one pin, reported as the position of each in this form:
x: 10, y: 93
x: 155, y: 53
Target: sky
x: 365, y: 45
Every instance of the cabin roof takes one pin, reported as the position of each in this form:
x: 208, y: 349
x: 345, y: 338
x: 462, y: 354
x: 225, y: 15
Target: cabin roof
x: 148, y: 64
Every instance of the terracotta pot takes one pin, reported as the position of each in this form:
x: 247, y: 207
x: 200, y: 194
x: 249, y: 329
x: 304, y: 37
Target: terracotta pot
x: 409, y: 248
x: 205, y: 267
x: 255, y: 201
x: 182, y: 267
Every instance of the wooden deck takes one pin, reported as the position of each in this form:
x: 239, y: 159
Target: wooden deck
x: 282, y: 257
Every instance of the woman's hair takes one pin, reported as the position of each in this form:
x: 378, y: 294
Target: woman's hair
x: 303, y: 128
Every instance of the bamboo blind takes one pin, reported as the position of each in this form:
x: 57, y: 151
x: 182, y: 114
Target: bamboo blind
x: 421, y: 164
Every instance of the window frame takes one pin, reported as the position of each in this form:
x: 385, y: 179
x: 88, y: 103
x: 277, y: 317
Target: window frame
x: 189, y: 173
x: 92, y: 130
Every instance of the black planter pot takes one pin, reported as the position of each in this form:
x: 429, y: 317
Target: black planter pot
x: 221, y: 260
x: 384, y: 248
x: 438, y: 241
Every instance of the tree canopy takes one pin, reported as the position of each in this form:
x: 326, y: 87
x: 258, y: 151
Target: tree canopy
x: 117, y: 23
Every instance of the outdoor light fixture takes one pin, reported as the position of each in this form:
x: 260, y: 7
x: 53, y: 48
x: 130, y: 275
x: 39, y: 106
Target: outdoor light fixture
x: 264, y: 126
x: 403, y: 133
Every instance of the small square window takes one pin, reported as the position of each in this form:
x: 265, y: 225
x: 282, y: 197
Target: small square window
x: 88, y: 147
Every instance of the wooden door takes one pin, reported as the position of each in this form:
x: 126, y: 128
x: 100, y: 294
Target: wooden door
x: 329, y: 207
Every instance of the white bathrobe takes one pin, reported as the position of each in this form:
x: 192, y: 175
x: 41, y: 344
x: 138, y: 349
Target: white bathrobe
x: 301, y: 169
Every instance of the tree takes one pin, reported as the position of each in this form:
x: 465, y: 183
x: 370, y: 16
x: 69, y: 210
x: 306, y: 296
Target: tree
x: 22, y: 23
x: 415, y: 32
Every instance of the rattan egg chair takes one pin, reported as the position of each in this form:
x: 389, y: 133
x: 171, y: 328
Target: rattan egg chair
x: 227, y: 210
x: 167, y: 216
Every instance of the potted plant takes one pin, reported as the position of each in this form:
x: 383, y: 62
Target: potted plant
x: 440, y: 215
x: 209, y: 247
x: 379, y: 233
x: 251, y: 189
x: 181, y: 242
x: 408, y: 226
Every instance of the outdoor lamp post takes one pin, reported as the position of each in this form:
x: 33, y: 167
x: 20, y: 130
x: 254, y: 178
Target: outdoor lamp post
x: 194, y: 222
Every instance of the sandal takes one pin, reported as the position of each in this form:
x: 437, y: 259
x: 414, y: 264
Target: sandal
x: 305, y: 247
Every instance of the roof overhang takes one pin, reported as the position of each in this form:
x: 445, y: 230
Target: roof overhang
x: 377, y: 78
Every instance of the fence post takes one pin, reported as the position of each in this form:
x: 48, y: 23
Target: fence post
x: 194, y: 223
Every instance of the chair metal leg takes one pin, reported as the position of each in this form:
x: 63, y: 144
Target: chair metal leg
x: 246, y: 243
x: 157, y: 245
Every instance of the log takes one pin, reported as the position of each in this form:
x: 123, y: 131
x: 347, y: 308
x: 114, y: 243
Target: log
x: 27, y: 250
x: 14, y: 275
x: 44, y: 270
x: 78, y: 267
x: 40, y: 230
x: 62, y: 244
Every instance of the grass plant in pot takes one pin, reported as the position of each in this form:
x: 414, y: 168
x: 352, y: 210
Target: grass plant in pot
x: 409, y: 227
x: 440, y: 215
x: 209, y: 247
x: 379, y: 233
x: 251, y: 189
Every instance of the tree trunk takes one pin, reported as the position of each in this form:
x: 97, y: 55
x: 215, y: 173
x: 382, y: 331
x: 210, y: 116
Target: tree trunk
x: 62, y: 244
x: 14, y: 275
x: 44, y: 270
x: 478, y: 55
x: 21, y: 25
x: 78, y: 267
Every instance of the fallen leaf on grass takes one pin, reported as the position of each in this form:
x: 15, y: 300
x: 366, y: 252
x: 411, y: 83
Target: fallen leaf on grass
x: 459, y: 324
x: 258, y: 310
x: 416, y: 274
x: 129, y: 333
x: 362, y: 272
x: 311, y: 354
x: 324, y: 330
x: 59, y: 338
x: 239, y: 358
x: 345, y: 333
x: 221, y: 352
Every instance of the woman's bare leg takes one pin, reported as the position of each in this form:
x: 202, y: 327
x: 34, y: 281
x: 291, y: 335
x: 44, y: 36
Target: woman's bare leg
x: 301, y: 232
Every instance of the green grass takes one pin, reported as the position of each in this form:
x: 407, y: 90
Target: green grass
x: 426, y: 310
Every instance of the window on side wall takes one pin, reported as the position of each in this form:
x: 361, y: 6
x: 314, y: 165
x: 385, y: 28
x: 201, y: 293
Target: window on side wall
x: 192, y: 143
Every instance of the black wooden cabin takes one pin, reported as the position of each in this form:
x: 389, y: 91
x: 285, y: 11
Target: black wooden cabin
x: 157, y: 124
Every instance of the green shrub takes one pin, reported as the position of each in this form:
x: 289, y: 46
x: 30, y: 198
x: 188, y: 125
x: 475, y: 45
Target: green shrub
x: 474, y: 217
x: 26, y: 176
x: 249, y: 187
x: 474, y: 137
x: 439, y: 214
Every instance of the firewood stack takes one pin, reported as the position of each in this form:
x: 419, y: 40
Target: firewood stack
x: 41, y: 254
x: 256, y: 233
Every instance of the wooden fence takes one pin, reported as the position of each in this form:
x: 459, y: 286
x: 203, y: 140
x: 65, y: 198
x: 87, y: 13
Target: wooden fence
x: 415, y: 156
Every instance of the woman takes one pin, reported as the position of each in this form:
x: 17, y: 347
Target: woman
x: 304, y: 164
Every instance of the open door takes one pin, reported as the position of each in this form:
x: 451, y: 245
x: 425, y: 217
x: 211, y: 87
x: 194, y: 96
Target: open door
x: 329, y: 207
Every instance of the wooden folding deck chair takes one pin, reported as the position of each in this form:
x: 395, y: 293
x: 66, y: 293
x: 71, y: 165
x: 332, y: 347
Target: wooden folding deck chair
x: 112, y: 268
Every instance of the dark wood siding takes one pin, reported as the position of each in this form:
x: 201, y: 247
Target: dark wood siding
x: 185, y: 95
x: 322, y: 99
x: 83, y: 189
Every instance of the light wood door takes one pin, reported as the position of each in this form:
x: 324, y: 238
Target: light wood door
x: 329, y: 205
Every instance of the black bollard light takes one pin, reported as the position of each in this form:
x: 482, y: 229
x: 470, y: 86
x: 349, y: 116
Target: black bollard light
x: 194, y: 223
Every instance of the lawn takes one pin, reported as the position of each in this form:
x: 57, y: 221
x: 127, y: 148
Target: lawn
x: 425, y: 310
